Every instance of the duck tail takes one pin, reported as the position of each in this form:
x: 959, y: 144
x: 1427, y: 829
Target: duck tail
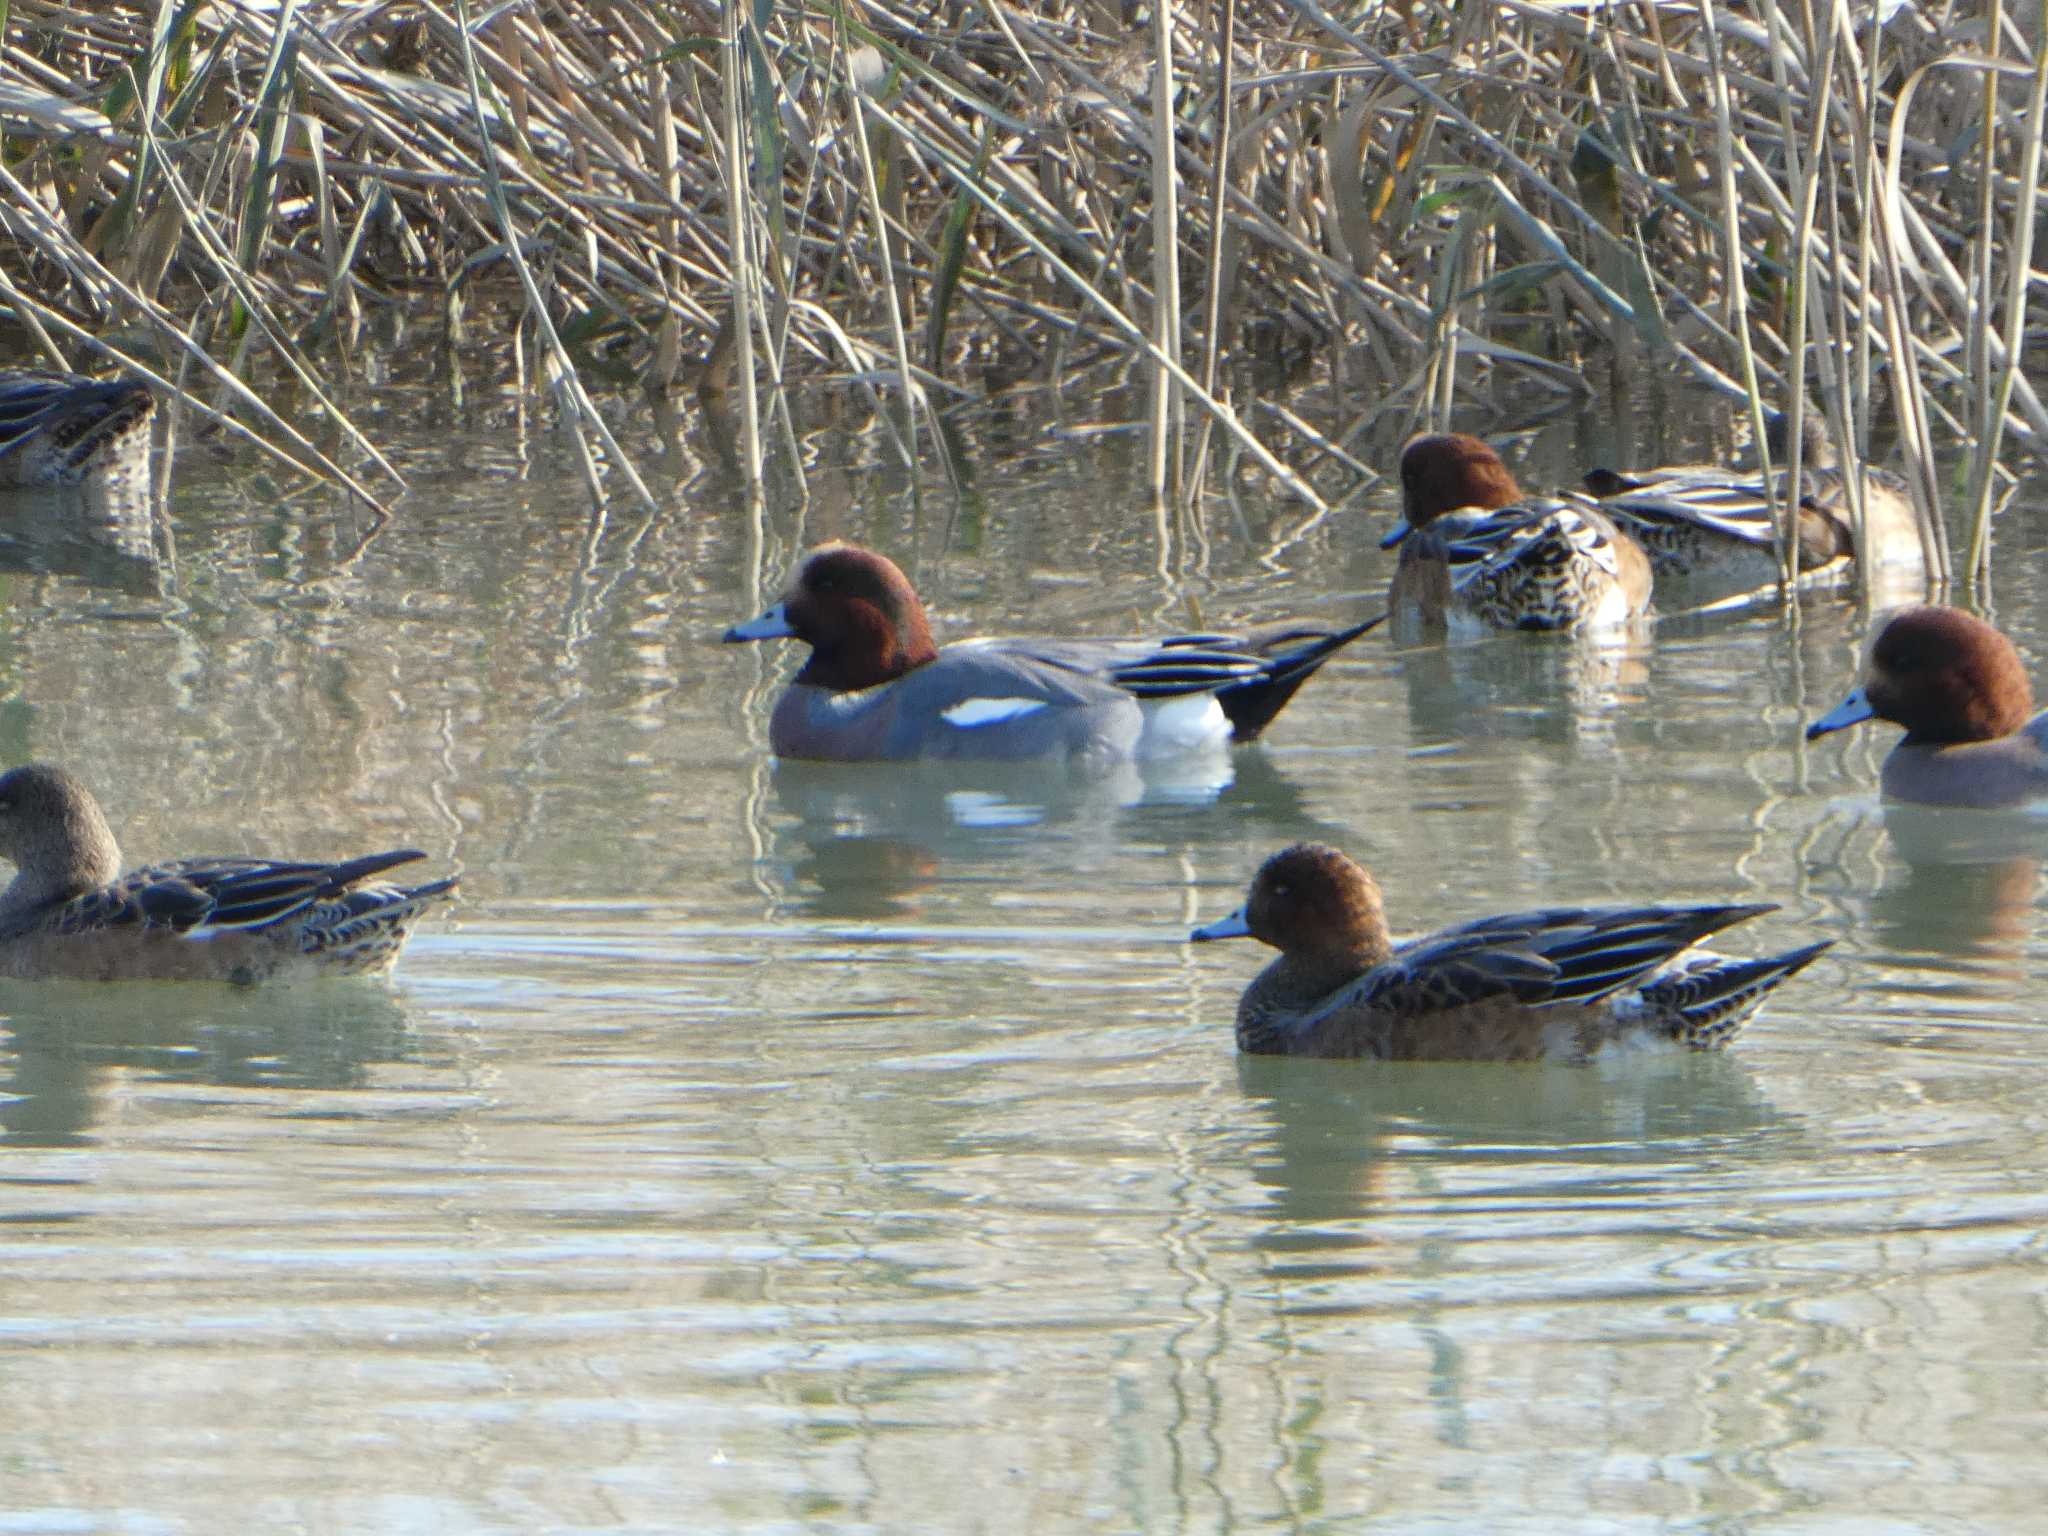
x: 339, y: 877
x: 1291, y: 659
x: 361, y: 930
x: 1706, y: 1000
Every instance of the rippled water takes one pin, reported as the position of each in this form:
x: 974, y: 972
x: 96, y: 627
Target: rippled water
x: 850, y: 1149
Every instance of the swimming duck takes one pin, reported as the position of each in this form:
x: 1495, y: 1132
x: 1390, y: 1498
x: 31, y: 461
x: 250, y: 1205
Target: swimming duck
x: 1557, y: 985
x: 70, y: 912
x: 1959, y: 688
x: 1708, y: 521
x: 59, y: 428
x: 1478, y: 554
x: 877, y: 688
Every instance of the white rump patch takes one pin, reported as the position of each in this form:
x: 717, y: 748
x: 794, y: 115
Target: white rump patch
x: 969, y: 713
x: 1190, y: 722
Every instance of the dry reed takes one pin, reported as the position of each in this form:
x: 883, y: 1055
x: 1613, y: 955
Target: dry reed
x: 1427, y: 206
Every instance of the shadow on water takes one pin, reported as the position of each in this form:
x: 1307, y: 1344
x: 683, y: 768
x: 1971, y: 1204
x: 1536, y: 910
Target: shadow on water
x: 867, y: 838
x: 66, y: 1039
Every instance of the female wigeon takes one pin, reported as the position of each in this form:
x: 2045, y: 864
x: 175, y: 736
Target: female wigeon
x: 59, y: 428
x: 877, y: 688
x: 1959, y: 688
x: 1558, y: 985
x: 1478, y: 554
x: 70, y: 912
x: 1707, y: 522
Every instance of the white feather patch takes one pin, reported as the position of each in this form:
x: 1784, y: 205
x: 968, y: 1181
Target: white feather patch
x: 969, y: 713
x: 1188, y: 723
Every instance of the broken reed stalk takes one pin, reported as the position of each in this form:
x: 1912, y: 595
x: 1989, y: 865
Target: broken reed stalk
x: 579, y: 411
x: 740, y: 262
x: 1166, y: 405
x: 1785, y: 521
x: 1219, y: 179
x: 1990, y: 426
x: 891, y: 296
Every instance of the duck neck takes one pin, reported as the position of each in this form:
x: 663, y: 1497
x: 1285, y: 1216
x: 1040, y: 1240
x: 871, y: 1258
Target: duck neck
x: 1294, y: 984
x: 80, y: 855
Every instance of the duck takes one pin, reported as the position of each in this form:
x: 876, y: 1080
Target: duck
x: 1708, y: 521
x: 1566, y: 984
x: 61, y: 428
x: 1961, y: 691
x: 70, y: 912
x: 1478, y: 555
x: 876, y: 687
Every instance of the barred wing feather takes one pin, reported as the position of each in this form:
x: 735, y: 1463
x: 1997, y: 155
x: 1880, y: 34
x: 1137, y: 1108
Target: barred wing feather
x: 1729, y: 506
x: 199, y: 896
x: 1539, y: 959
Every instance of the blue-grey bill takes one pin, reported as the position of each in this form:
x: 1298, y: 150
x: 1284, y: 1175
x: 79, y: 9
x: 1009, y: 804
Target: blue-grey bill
x: 1396, y: 534
x: 772, y: 625
x: 1231, y: 927
x: 1853, y: 710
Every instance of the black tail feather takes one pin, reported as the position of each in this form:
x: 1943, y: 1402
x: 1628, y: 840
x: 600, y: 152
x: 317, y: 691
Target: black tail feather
x: 341, y: 876
x: 1250, y: 706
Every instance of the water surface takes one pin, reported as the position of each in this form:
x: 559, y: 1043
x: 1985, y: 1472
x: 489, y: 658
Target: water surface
x: 772, y: 1148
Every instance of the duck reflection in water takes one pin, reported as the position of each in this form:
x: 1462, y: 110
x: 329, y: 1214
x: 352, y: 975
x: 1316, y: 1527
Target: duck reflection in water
x: 105, y: 532
x: 1567, y: 689
x: 1336, y: 1145
x: 1967, y: 886
x: 67, y: 1039
x: 873, y: 840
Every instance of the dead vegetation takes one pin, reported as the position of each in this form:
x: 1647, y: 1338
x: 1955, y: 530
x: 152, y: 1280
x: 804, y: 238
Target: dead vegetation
x: 1417, y: 202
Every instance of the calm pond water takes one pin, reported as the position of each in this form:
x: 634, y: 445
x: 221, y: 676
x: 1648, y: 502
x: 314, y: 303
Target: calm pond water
x: 864, y: 1150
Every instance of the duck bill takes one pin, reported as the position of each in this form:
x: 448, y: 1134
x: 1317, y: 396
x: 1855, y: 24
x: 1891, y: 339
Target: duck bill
x: 1397, y: 533
x: 1853, y: 710
x: 1231, y: 927
x: 772, y: 625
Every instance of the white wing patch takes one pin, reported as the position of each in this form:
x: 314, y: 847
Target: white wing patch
x: 970, y: 713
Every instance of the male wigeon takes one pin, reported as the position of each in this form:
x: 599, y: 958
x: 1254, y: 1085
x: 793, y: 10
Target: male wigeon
x: 876, y: 687
x: 71, y: 913
x: 1478, y: 554
x: 1704, y: 521
x: 1959, y: 688
x: 59, y: 428
x: 1557, y: 985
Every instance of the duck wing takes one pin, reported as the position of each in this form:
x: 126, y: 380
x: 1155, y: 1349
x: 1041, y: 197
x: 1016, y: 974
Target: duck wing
x: 1540, y: 530
x: 1656, y: 500
x: 1538, y: 959
x: 1252, y: 675
x: 199, y: 896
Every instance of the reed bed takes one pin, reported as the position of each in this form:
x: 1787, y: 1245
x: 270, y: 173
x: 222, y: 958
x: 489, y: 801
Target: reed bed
x: 1311, y: 230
